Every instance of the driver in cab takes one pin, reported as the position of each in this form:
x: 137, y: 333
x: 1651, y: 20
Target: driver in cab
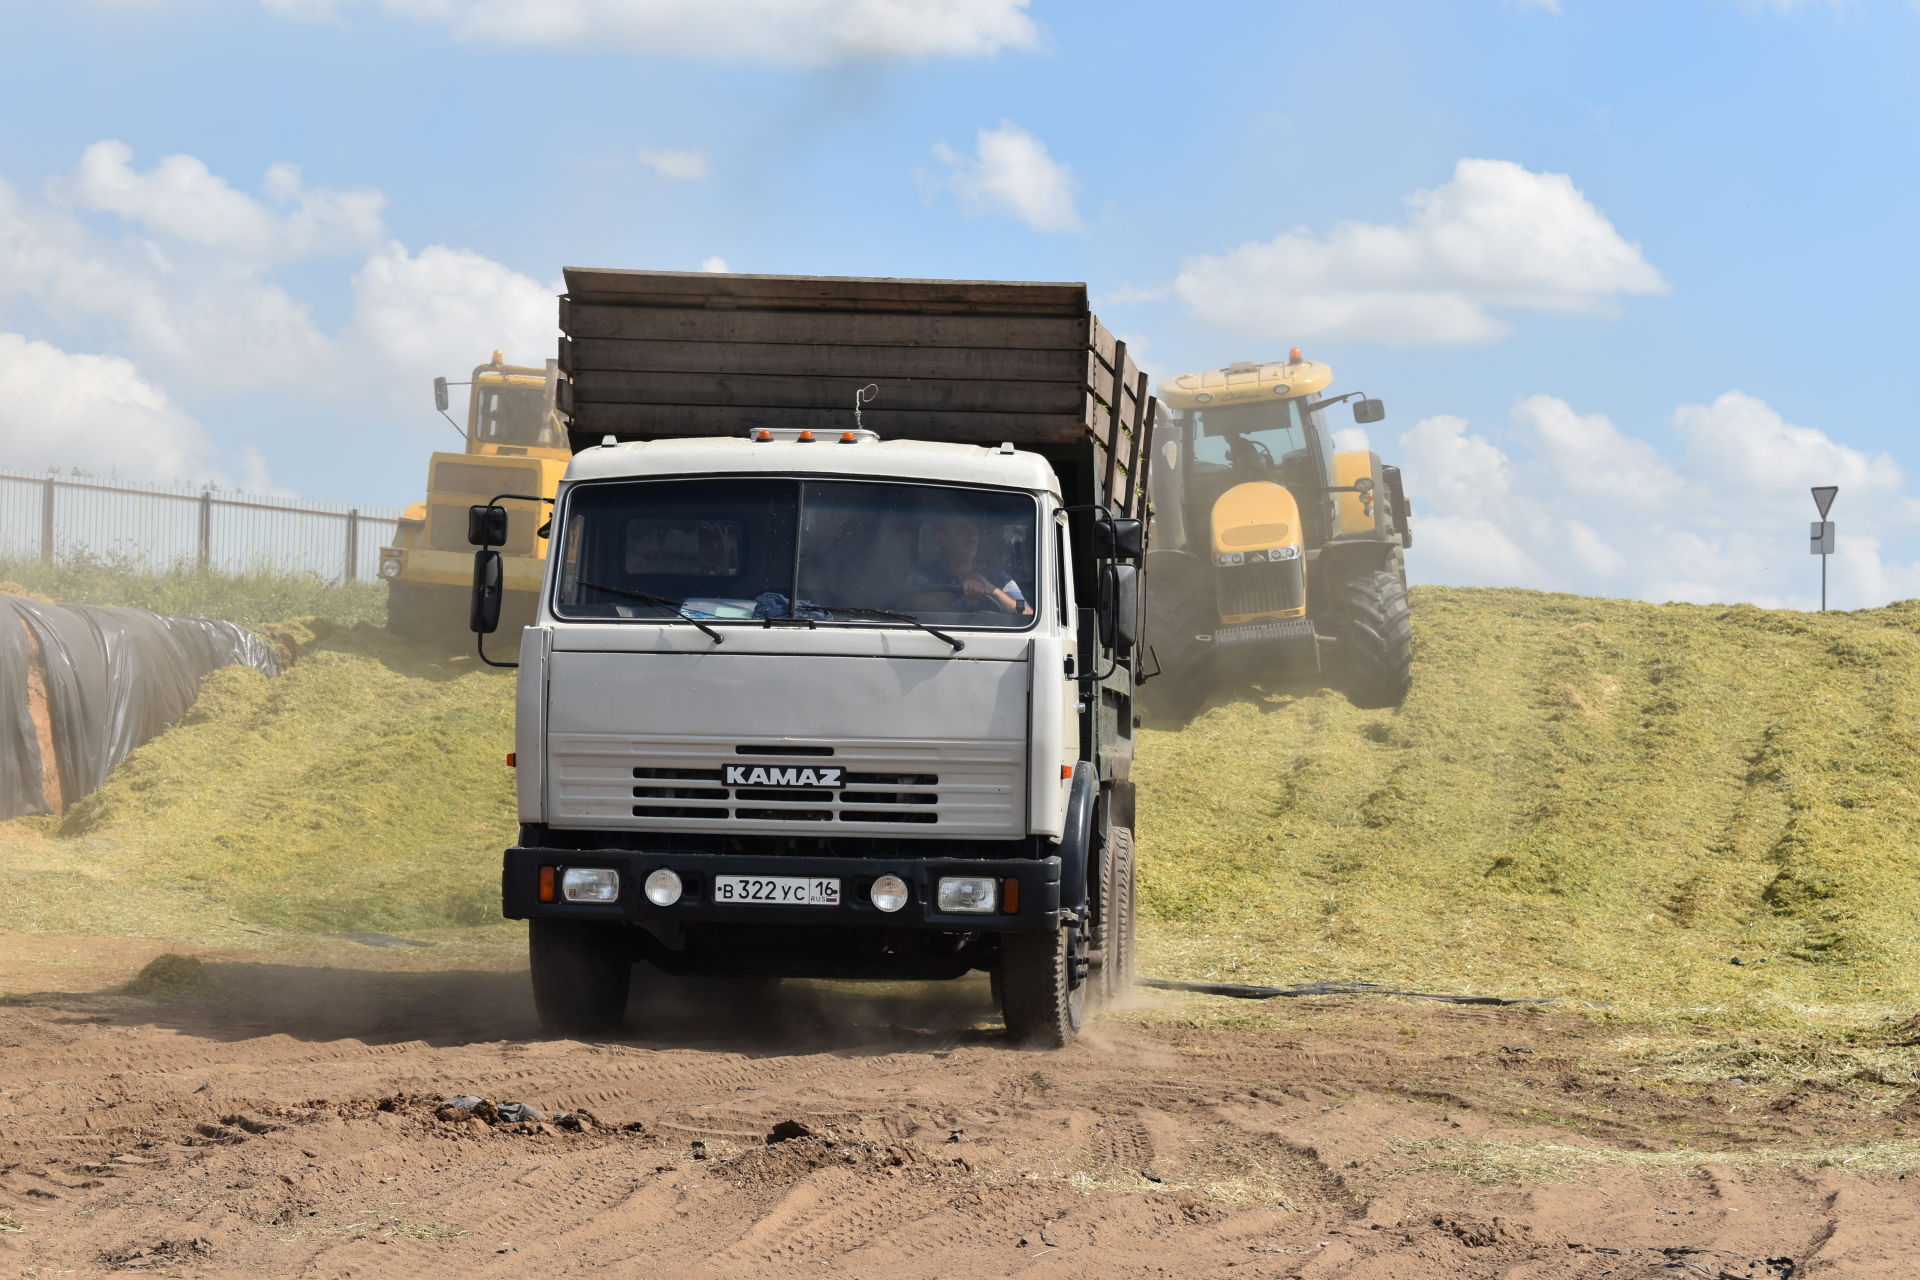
x: 952, y: 577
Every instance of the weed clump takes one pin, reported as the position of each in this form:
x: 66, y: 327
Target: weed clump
x: 170, y: 975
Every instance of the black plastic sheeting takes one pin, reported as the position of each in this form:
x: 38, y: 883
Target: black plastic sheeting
x: 114, y: 678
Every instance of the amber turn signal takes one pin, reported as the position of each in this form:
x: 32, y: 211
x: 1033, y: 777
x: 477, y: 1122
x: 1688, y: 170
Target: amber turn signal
x: 1010, y: 897
x: 548, y: 875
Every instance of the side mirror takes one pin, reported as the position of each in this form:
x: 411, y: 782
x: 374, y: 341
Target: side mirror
x: 483, y: 613
x: 440, y: 400
x: 1365, y: 411
x: 1121, y: 539
x: 487, y: 526
x: 1119, y: 608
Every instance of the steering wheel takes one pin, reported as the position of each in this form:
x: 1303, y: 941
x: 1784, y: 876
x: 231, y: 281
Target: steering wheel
x: 942, y: 597
x: 1249, y: 455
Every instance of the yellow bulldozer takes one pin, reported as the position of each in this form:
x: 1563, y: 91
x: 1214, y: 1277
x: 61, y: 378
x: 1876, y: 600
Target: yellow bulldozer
x: 515, y: 444
x: 1276, y: 558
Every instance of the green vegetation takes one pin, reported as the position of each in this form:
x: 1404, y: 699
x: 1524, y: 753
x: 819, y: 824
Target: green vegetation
x: 1673, y: 809
x: 363, y: 790
x: 248, y: 599
x: 1598, y: 800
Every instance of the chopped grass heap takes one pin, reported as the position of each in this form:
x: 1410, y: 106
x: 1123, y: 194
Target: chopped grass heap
x: 1664, y: 808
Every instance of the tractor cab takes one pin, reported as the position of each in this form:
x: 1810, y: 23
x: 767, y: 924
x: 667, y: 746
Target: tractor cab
x: 1270, y: 536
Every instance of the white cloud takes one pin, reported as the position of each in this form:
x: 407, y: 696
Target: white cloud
x: 1010, y: 173
x: 1570, y: 502
x: 183, y: 285
x: 794, y: 32
x: 680, y: 166
x: 1496, y: 237
x: 61, y: 409
x: 716, y: 264
x: 418, y: 315
x: 179, y: 198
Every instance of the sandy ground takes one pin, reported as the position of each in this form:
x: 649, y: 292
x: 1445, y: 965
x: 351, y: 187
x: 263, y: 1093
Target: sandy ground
x: 286, y: 1121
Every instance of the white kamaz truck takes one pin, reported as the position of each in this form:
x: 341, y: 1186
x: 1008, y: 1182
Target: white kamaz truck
x: 833, y: 670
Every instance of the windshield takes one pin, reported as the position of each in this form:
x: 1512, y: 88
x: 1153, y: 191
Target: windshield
x: 1259, y: 442
x: 829, y: 551
x: 512, y: 413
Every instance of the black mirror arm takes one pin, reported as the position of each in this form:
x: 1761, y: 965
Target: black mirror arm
x: 1314, y: 405
x: 517, y: 497
x: 480, y: 647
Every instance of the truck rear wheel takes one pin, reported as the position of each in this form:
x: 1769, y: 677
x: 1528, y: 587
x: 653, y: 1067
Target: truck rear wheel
x: 1376, y: 625
x: 1116, y: 970
x: 581, y: 975
x: 1041, y: 1000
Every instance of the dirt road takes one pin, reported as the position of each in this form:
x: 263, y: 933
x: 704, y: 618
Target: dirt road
x: 286, y: 1121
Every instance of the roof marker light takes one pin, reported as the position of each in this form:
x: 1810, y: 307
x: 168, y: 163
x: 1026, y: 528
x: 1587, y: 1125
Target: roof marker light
x: 805, y: 437
x: 847, y: 437
x: 764, y: 434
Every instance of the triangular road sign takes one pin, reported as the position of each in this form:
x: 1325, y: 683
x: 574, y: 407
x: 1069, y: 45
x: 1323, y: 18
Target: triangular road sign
x: 1823, y: 497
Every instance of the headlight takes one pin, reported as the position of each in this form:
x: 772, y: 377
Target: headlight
x: 889, y: 893
x: 1284, y: 553
x: 390, y: 568
x: 970, y: 895
x: 590, y: 884
x: 1229, y: 557
x: 663, y: 888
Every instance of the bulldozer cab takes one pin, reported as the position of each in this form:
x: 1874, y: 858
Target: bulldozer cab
x: 511, y: 411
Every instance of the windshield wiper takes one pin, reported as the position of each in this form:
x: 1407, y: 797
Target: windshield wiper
x: 908, y: 618
x: 648, y: 598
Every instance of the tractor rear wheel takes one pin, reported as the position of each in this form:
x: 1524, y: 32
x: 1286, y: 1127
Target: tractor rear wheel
x: 1376, y: 640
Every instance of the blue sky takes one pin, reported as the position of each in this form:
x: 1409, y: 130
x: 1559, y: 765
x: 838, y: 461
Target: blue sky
x: 1630, y: 276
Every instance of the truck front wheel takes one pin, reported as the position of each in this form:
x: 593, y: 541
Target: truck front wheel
x: 581, y: 973
x: 1043, y: 988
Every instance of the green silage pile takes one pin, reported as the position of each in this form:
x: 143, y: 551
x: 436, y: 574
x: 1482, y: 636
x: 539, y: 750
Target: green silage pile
x: 1597, y: 799
x: 365, y: 789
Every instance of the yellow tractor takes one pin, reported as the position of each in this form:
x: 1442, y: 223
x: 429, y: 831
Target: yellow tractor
x: 515, y: 445
x: 1276, y: 558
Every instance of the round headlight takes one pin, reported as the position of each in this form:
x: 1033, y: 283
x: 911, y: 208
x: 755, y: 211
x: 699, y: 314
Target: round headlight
x: 663, y: 888
x: 1204, y: 398
x: 889, y: 893
x: 389, y: 568
x: 1281, y: 388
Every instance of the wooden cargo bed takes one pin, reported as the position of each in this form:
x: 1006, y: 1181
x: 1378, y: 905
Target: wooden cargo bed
x: 653, y: 354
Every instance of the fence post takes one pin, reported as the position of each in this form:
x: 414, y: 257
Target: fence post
x: 206, y: 527
x: 46, y: 522
x: 353, y: 545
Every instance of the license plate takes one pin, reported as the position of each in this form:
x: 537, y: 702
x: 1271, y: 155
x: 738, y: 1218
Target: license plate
x: 777, y: 891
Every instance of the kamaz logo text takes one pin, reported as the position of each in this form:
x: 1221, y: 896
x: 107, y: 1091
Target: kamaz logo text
x: 760, y: 775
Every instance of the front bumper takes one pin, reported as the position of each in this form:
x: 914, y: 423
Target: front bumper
x: 1039, y: 879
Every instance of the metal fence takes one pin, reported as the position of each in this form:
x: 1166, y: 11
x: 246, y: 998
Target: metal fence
x: 161, y: 527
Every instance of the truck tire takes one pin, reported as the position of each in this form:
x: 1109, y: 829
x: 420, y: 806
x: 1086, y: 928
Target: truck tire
x: 581, y: 975
x: 1116, y: 972
x: 1039, y: 1000
x: 1376, y: 641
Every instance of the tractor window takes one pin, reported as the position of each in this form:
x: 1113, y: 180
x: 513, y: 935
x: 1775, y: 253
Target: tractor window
x: 512, y: 413
x: 1251, y: 439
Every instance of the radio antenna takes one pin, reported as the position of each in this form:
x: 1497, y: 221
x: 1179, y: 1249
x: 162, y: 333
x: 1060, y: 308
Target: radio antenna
x: 864, y: 395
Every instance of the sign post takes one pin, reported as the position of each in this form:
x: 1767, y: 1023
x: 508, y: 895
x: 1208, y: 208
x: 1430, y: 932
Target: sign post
x: 1821, y: 543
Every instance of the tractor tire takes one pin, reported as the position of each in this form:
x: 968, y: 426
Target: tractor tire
x: 1376, y: 640
x: 581, y: 975
x: 1117, y: 902
x: 1040, y: 1002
